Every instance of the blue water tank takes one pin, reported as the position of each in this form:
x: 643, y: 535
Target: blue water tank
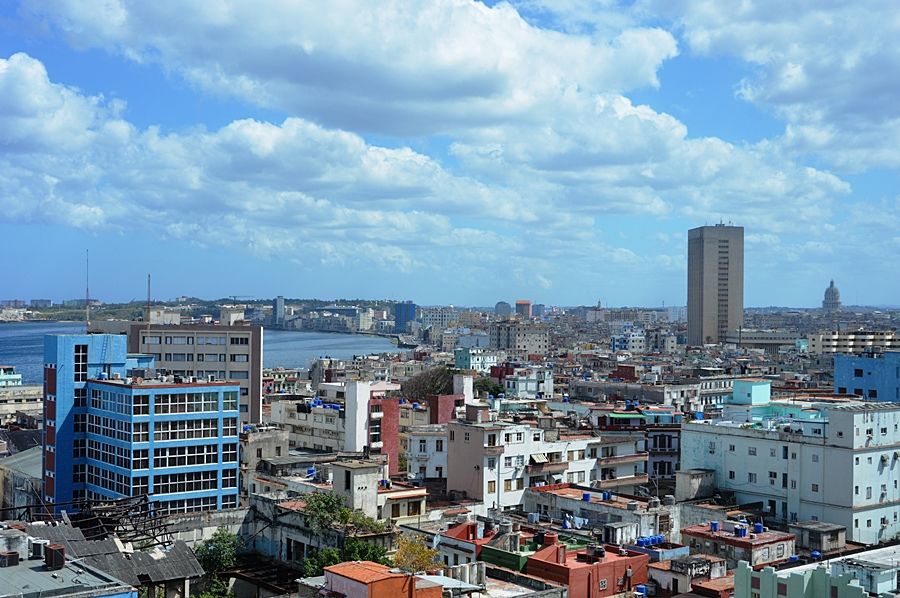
x: 310, y: 471
x: 415, y: 405
x: 586, y: 496
x: 660, y: 539
x: 640, y: 589
x: 793, y: 558
x: 713, y: 526
x: 698, y: 415
x: 816, y: 554
x: 743, y: 532
x: 757, y: 528
x: 641, y: 541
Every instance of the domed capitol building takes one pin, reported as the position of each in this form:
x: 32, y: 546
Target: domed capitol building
x: 832, y: 300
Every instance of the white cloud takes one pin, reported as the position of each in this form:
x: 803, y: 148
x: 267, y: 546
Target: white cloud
x: 413, y: 68
x: 827, y: 68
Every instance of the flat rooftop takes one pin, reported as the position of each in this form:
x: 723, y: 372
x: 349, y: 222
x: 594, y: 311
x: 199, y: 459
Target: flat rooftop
x: 703, y: 531
x: 30, y: 579
x: 881, y: 557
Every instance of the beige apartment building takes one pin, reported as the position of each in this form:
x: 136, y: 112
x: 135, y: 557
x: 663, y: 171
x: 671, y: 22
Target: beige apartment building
x: 853, y: 342
x: 520, y: 337
x: 232, y: 353
x: 715, y: 282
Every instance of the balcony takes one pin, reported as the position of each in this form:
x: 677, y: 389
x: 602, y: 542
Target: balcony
x: 607, y: 439
x: 494, y: 449
x: 376, y: 414
x: 641, y: 456
x: 539, y: 468
x: 611, y: 483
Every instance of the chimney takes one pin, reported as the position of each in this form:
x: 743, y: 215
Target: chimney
x: 550, y: 538
x: 561, y: 554
x: 9, y: 558
x: 55, y: 556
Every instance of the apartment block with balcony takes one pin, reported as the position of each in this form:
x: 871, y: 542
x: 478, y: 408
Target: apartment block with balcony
x: 494, y: 461
x: 427, y: 452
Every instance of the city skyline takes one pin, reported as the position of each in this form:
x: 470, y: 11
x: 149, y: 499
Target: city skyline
x: 457, y: 153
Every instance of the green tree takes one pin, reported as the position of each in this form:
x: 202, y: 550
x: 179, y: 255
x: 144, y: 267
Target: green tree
x: 488, y: 385
x: 414, y: 555
x: 435, y: 381
x: 219, y: 553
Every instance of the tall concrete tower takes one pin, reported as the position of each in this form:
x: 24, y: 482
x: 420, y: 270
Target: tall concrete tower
x: 715, y: 282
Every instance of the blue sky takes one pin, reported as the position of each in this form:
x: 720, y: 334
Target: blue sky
x: 447, y: 151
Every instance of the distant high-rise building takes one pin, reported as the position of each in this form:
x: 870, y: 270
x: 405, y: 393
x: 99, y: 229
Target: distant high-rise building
x: 41, y: 303
x: 278, y: 311
x: 404, y: 313
x: 523, y: 308
x: 538, y: 310
x: 832, y: 301
x: 715, y: 282
x: 503, y: 309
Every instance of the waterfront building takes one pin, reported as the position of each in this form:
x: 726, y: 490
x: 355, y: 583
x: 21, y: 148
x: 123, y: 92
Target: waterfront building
x: 438, y: 318
x: 715, y: 282
x: 874, y: 376
x: 404, y: 314
x: 207, y: 352
x: 112, y: 430
x: 784, y: 454
x: 278, y: 311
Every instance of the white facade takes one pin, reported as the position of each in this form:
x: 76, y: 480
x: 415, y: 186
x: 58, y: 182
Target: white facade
x: 427, y: 450
x: 853, y: 342
x: 495, y: 461
x: 527, y: 383
x: 843, y: 467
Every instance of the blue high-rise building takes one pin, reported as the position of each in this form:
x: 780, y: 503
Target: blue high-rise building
x: 113, y: 430
x: 404, y: 313
x: 873, y: 376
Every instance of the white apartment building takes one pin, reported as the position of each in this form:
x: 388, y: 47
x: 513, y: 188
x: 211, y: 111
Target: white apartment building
x: 438, y: 318
x: 853, y: 342
x: 528, y: 383
x: 426, y: 453
x: 471, y: 358
x: 494, y: 461
x: 835, y: 461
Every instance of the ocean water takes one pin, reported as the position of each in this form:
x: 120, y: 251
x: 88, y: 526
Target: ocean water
x: 22, y: 346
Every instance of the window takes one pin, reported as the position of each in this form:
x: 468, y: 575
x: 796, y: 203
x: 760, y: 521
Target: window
x: 730, y: 475
x: 815, y: 458
x: 412, y: 508
x: 439, y: 445
x: 815, y: 487
x: 731, y: 448
x: 793, y: 484
x: 239, y: 340
x: 507, y: 461
x: 240, y: 358
x: 751, y: 477
x: 772, y: 452
x: 452, y: 435
x: 422, y: 445
x: 857, y: 373
x: 466, y: 437
x: 712, y: 448
x: 395, y: 509
x: 492, y: 486
x: 536, y: 437
x: 751, y: 450
x: 507, y: 485
x: 520, y: 461
x: 239, y: 375
x: 868, y: 492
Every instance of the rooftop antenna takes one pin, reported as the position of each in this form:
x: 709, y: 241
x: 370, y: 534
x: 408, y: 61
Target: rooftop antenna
x: 148, y: 304
x: 87, y: 291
